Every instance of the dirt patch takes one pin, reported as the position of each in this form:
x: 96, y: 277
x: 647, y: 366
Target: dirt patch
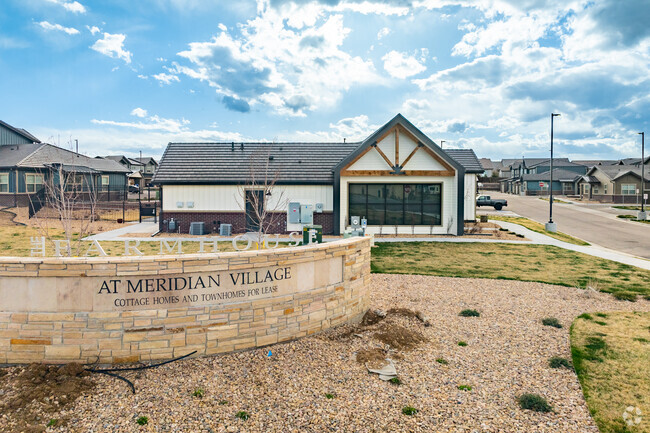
x: 372, y: 356
x: 7, y: 218
x: 30, y: 395
x: 405, y: 312
x: 372, y: 317
x: 399, y: 337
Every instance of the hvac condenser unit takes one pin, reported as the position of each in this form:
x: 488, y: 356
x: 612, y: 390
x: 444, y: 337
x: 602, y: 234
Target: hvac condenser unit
x: 225, y: 229
x: 197, y: 228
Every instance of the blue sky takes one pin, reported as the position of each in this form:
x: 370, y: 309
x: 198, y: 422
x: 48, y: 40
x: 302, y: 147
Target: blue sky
x: 123, y: 76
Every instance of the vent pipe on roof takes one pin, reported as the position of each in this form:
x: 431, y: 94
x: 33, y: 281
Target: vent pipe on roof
x: 343, y: 139
x: 232, y: 148
x: 242, y: 146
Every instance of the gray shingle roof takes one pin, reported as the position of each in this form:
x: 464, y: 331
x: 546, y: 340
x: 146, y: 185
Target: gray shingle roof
x: 467, y: 158
x: 11, y: 155
x: 219, y: 163
x: 42, y: 155
x: 615, y: 171
x: 196, y: 163
x: 558, y: 174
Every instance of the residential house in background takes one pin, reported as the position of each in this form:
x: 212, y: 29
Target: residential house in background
x: 26, y: 164
x: 142, y: 169
x: 531, y: 176
x: 615, y: 183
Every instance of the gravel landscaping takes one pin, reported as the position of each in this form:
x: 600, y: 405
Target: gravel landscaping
x: 316, y: 384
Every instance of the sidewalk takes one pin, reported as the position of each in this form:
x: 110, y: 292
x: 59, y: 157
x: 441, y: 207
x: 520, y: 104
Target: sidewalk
x: 592, y: 250
x: 148, y: 228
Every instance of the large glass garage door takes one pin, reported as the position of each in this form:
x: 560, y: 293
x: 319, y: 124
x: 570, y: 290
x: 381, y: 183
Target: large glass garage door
x: 396, y: 203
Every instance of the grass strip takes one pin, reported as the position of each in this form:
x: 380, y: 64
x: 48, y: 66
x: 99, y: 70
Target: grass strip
x: 542, y: 263
x: 539, y: 228
x: 611, y: 362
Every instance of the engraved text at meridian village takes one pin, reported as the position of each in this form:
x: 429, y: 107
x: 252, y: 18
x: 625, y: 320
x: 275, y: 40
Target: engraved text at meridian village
x: 194, y: 289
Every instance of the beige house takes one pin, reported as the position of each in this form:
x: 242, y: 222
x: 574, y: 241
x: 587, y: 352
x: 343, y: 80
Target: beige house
x: 615, y: 183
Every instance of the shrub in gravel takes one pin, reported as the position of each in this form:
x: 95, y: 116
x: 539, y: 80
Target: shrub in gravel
x: 462, y: 343
x: 625, y: 296
x: 585, y: 316
x: 52, y: 423
x: 143, y: 420
x: 223, y: 402
x: 469, y: 313
x: 559, y: 362
x: 534, y: 402
x: 409, y: 410
x: 551, y: 321
x: 442, y: 361
x: 329, y: 396
x: 395, y: 381
x: 464, y: 387
x: 198, y: 393
x: 601, y: 315
x: 243, y: 415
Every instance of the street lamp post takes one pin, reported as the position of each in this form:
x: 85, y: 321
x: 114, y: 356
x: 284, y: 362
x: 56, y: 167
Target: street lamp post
x: 550, y: 225
x: 642, y: 215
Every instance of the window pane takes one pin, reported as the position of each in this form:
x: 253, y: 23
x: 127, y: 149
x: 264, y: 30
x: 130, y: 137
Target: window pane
x: 29, y: 178
x: 413, y: 204
x: 4, y: 178
x: 358, y: 194
x: 376, y: 205
x: 395, y: 204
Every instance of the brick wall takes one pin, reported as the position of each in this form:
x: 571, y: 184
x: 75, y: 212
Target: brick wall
x: 212, y: 221
x: 49, y: 310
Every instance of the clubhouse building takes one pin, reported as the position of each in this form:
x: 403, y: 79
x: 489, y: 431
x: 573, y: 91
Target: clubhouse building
x: 397, y: 178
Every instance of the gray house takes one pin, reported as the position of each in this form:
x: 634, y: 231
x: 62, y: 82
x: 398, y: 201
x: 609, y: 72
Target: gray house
x: 26, y: 165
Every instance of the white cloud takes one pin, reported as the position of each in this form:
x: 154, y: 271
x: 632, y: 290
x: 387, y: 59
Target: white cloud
x: 73, y: 6
x: 164, y: 78
x: 291, y: 70
x: 93, y: 30
x: 223, y: 27
x: 139, y: 112
x: 112, y: 45
x: 402, y: 65
x: 58, y: 27
x: 383, y: 32
x: 154, y: 123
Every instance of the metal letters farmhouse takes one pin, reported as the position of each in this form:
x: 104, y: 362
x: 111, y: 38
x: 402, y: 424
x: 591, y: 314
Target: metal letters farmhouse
x: 62, y: 247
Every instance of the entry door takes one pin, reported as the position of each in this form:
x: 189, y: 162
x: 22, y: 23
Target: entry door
x: 254, y: 198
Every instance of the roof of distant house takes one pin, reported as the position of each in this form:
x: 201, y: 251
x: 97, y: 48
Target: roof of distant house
x: 41, y: 155
x: 146, y: 160
x: 20, y: 131
x: 592, y: 162
x: 558, y: 174
x: 614, y: 172
x: 557, y: 162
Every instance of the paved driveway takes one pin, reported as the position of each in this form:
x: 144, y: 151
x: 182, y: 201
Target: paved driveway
x: 594, y: 223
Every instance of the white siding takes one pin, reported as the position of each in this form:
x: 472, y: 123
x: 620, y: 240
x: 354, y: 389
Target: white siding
x: 470, y: 196
x: 449, y: 200
x: 228, y: 198
x: 372, y: 160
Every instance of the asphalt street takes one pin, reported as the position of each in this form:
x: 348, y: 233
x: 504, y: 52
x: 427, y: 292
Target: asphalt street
x: 596, y: 224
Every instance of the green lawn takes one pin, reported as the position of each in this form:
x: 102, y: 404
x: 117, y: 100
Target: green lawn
x: 539, y: 228
x: 543, y: 263
x: 611, y: 356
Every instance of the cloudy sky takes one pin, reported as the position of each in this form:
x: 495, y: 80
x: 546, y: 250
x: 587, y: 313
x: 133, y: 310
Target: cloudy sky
x: 123, y: 76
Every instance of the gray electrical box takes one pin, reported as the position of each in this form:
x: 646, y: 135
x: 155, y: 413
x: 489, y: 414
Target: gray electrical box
x: 355, y: 222
x: 306, y: 214
x: 294, y: 212
x: 318, y: 208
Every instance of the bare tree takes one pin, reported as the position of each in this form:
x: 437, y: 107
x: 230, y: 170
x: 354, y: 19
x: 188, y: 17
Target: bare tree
x: 72, y: 197
x: 264, y: 203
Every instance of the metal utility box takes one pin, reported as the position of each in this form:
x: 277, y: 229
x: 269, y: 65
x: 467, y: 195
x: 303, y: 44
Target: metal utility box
x: 294, y: 212
x: 305, y: 233
x: 172, y: 225
x: 319, y: 208
x: 306, y: 214
x: 225, y: 229
x: 197, y: 228
x: 355, y: 222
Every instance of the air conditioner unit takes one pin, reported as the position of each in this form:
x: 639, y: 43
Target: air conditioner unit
x: 225, y: 229
x: 197, y: 228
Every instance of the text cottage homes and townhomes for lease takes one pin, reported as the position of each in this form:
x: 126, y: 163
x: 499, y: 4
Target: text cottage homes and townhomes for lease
x: 397, y: 178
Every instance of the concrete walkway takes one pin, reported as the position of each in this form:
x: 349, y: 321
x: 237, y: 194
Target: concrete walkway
x: 592, y: 250
x: 144, y: 228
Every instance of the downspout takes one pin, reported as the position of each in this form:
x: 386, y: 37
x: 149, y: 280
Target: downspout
x: 337, y: 203
x: 460, y: 228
